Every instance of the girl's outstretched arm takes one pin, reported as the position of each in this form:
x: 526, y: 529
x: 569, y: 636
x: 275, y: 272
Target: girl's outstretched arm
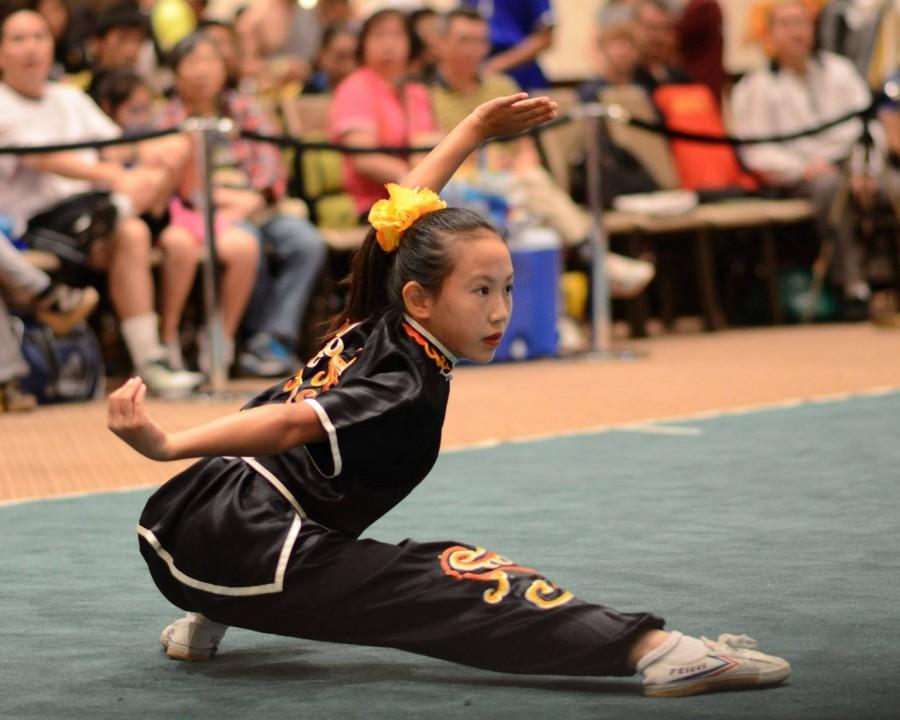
x: 502, y: 116
x: 264, y: 430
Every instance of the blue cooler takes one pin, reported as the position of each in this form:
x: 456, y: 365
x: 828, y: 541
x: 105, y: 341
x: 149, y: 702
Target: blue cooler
x: 532, y: 329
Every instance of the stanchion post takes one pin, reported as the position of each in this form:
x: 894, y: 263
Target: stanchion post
x: 205, y: 131
x: 601, y: 322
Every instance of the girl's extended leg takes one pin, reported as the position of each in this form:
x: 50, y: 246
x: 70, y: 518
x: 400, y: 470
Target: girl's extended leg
x: 443, y: 599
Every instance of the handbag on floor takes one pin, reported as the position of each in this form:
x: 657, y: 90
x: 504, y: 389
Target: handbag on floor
x: 62, y: 368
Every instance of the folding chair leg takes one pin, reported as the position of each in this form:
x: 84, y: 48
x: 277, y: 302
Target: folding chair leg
x: 819, y: 271
x: 713, y: 317
x: 770, y: 269
x: 638, y: 308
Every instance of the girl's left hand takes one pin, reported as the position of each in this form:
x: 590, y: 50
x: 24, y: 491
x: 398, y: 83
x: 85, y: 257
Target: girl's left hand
x: 512, y: 114
x: 127, y: 417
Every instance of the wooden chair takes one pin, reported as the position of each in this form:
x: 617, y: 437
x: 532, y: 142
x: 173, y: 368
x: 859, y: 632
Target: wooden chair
x: 319, y: 174
x: 707, y: 220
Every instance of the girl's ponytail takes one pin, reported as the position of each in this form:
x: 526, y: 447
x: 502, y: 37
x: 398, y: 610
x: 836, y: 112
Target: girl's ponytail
x: 367, y: 294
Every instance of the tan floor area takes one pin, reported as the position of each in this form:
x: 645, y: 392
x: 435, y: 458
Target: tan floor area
x: 66, y: 449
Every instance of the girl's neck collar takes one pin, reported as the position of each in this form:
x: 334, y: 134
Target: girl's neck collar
x: 431, y: 338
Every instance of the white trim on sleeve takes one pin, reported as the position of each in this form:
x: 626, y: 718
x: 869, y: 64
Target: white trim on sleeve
x: 332, y: 438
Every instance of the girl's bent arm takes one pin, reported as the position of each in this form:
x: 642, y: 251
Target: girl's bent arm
x: 264, y: 430
x: 502, y: 116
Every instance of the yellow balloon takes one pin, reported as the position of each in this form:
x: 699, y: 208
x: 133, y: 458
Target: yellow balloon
x: 172, y: 20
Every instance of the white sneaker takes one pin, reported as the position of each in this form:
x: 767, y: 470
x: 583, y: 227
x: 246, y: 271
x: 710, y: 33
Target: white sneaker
x: 163, y: 381
x: 627, y: 276
x: 572, y: 337
x: 193, y: 638
x: 728, y: 664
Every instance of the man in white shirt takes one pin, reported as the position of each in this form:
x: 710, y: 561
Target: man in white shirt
x: 39, y: 112
x: 800, y: 89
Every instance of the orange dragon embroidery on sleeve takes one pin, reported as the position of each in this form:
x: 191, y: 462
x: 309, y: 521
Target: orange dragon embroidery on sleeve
x: 325, y: 379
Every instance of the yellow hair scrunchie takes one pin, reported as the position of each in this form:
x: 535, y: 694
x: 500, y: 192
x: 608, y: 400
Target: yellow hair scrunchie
x: 391, y: 218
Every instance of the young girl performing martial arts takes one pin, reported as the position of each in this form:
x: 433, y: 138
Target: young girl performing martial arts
x: 262, y: 533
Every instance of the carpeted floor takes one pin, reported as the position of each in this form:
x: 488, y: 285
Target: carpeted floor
x: 781, y: 524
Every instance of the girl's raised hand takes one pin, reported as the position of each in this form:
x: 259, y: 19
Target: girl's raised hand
x: 512, y: 114
x: 127, y: 417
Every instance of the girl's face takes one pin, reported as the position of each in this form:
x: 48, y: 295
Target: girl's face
x: 136, y: 113
x: 471, y: 310
x: 386, y: 48
x: 200, y: 76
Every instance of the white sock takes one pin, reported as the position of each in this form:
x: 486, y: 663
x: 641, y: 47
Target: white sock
x: 203, y: 620
x: 141, y: 335
x: 173, y: 354
x: 858, y: 290
x: 677, y: 649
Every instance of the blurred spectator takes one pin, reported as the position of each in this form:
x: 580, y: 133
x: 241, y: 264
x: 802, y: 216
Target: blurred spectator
x: 279, y: 40
x: 36, y: 190
x: 620, y: 172
x: 69, y: 57
x: 170, y: 21
x: 889, y: 115
x: 520, y: 31
x: 120, y: 31
x: 423, y: 54
x: 120, y: 38
x: 658, y: 44
x: 851, y: 28
x: 617, y: 12
x: 459, y: 88
x: 801, y: 89
x: 128, y: 100
x: 618, y: 59
x: 701, y: 43
x: 57, y: 306
x: 376, y: 106
x: 335, y: 61
x: 332, y: 12
x: 249, y: 183
x: 224, y: 34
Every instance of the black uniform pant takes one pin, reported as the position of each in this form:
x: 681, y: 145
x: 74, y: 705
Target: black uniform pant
x: 443, y: 599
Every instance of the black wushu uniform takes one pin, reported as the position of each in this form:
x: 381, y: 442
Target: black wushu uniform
x: 270, y: 543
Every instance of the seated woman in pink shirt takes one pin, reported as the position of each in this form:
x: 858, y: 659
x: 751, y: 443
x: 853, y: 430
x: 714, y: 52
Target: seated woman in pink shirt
x: 376, y: 106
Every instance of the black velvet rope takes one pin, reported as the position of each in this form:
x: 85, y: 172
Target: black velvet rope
x: 83, y: 144
x: 738, y: 140
x: 658, y: 128
x: 304, y: 145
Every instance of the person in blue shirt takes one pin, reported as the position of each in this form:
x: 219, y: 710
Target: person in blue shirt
x: 520, y: 31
